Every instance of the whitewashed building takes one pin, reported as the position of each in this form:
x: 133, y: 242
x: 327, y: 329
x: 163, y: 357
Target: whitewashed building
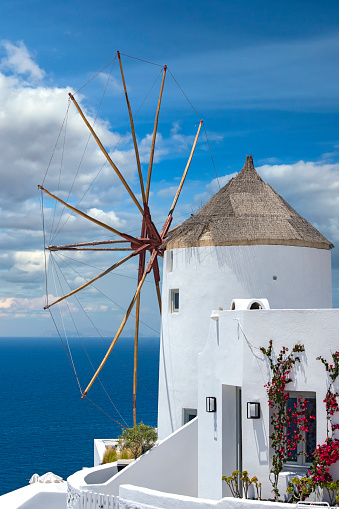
x: 245, y: 243
x: 244, y: 270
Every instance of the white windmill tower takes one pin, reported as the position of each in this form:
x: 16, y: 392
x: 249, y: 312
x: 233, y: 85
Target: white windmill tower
x: 245, y: 243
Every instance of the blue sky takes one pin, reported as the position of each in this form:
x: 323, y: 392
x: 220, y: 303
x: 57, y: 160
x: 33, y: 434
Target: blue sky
x: 262, y: 75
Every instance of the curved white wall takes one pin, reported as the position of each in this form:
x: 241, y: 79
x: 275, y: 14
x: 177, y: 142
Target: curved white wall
x: 211, y: 277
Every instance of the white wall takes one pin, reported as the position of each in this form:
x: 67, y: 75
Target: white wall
x: 209, y: 278
x: 141, y: 498
x: 172, y: 466
x: 100, y: 446
x: 36, y: 496
x: 232, y: 360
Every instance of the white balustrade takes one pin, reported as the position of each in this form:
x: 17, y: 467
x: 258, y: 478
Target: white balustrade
x: 92, y: 500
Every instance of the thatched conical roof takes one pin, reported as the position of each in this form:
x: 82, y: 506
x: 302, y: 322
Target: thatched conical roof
x: 246, y: 211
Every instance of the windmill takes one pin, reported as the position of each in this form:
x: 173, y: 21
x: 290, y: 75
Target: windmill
x: 148, y: 247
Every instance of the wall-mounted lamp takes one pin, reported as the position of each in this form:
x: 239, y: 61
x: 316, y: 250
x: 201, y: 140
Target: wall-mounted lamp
x: 253, y: 410
x: 215, y: 316
x: 211, y: 404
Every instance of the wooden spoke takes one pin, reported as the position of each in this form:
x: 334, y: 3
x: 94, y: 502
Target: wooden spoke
x: 82, y: 244
x: 55, y: 248
x: 92, y: 280
x: 135, y: 370
x: 186, y: 170
x: 154, y: 135
x: 156, y: 274
x: 157, y: 287
x: 123, y: 323
x: 129, y: 190
x: 173, y: 229
x: 95, y: 221
x: 133, y: 132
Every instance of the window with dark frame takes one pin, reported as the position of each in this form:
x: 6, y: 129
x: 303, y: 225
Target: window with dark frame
x: 175, y: 301
x: 189, y: 414
x: 303, y: 454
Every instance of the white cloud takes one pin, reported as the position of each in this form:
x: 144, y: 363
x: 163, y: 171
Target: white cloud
x: 29, y: 261
x: 167, y: 192
x: 24, y: 307
x: 113, y: 85
x: 20, y: 61
x: 311, y: 188
x: 213, y: 187
x: 96, y: 309
x: 110, y: 218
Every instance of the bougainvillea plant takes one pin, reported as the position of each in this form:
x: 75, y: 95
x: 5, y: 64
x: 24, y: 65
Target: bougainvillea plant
x: 327, y: 453
x: 331, y: 397
x: 284, y: 419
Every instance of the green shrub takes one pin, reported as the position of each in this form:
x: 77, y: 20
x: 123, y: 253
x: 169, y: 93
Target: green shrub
x: 138, y: 440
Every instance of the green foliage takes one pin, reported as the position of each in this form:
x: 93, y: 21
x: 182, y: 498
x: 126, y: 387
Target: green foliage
x: 138, y: 440
x: 125, y: 454
x: 239, y: 485
x: 332, y: 489
x: 300, y: 489
x: 110, y: 455
x: 233, y: 483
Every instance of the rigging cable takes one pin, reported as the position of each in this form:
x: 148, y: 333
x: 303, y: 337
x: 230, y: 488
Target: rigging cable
x: 141, y: 60
x: 112, y: 273
x: 184, y: 94
x: 111, y: 152
x: 107, y: 297
x: 209, y: 148
x: 88, y: 357
x: 61, y: 163
x: 63, y: 324
x: 71, y: 365
x: 57, y: 141
x: 84, y: 152
x: 102, y: 337
x: 95, y: 75
x: 44, y: 236
x: 70, y: 358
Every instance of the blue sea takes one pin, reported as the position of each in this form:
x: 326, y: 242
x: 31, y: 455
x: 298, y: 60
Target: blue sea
x: 45, y: 425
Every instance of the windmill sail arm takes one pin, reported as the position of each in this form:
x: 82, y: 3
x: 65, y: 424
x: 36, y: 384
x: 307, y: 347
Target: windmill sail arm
x: 148, y: 184
x: 92, y: 280
x: 64, y: 248
x: 96, y: 243
x: 123, y: 323
x: 133, y: 132
x: 104, y: 151
x: 86, y: 216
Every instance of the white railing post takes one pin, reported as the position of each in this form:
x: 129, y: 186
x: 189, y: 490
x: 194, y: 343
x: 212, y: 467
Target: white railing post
x: 93, y: 500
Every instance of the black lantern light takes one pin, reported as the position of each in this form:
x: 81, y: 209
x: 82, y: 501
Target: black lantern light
x: 253, y: 410
x: 211, y: 404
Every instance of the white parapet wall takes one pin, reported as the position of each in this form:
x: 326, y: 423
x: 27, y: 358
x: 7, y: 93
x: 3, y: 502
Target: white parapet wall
x: 36, y: 496
x: 100, y: 446
x: 172, y: 466
x: 143, y: 498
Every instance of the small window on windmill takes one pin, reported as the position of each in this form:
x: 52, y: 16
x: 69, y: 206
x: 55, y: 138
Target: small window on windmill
x: 169, y: 261
x: 175, y: 301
